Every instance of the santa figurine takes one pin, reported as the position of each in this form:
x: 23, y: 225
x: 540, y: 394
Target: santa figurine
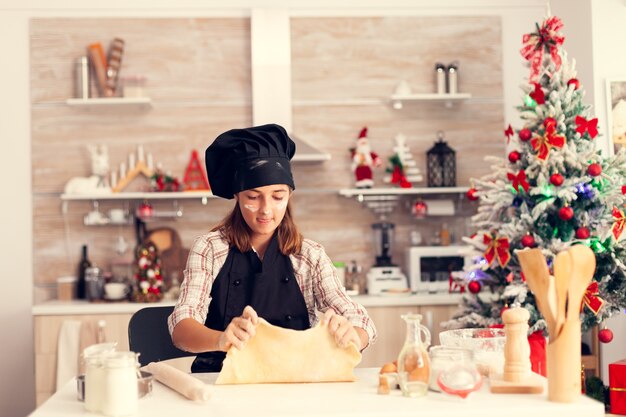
x: 363, y: 159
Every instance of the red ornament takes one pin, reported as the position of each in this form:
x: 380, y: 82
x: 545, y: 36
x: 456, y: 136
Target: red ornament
x: 145, y: 211
x: 605, y: 335
x: 566, y: 213
x: 514, y: 157
x: 623, y: 189
x: 474, y: 287
x: 582, y: 233
x: 471, y: 194
x: 594, y: 170
x: 420, y: 209
x: 528, y: 241
x: 575, y: 83
x: 556, y: 179
x: 525, y: 134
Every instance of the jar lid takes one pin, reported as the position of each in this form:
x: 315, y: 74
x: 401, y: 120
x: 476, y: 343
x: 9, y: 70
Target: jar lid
x: 126, y: 359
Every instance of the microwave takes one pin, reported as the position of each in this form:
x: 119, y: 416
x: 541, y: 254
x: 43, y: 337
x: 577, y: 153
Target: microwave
x: 429, y: 267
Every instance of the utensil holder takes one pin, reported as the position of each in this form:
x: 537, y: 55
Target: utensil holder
x: 564, y: 362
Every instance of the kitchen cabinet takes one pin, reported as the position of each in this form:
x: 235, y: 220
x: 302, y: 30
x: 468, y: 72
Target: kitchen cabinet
x: 47, y: 328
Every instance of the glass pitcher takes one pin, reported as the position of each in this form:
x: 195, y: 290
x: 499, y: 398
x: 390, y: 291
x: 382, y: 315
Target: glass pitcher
x: 413, y: 361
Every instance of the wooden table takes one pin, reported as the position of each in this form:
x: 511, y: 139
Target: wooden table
x: 357, y: 399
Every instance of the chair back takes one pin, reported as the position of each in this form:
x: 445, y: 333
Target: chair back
x: 148, y: 335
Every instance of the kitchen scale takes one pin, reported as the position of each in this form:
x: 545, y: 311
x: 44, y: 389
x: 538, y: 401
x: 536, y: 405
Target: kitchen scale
x: 385, y: 278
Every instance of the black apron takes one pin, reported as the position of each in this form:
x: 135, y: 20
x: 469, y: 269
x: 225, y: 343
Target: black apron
x: 270, y: 287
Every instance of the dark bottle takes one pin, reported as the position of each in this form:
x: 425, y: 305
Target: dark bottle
x: 82, y: 265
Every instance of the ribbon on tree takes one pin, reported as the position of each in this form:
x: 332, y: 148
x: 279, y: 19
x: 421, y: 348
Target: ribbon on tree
x: 548, y: 38
x: 620, y: 221
x: 590, y: 126
x: 519, y: 180
x: 592, y: 298
x: 497, y: 248
x: 508, y: 133
x: 550, y: 139
x: 538, y: 95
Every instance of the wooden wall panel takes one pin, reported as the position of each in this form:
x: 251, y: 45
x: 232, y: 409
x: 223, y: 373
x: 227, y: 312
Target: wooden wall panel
x: 199, y: 80
x: 183, y: 59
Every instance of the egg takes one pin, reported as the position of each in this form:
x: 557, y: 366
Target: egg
x: 388, y: 368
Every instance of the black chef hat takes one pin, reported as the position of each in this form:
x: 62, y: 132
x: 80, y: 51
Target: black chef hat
x: 241, y: 159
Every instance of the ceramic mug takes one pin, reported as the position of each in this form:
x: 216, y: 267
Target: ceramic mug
x: 115, y: 290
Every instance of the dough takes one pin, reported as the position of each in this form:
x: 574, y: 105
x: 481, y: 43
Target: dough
x: 276, y: 354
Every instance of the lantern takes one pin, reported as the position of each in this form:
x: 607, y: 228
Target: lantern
x: 441, y: 164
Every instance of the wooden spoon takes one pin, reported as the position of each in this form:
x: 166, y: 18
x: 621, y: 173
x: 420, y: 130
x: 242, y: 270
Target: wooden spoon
x: 583, y: 265
x: 537, y: 275
x: 562, y: 275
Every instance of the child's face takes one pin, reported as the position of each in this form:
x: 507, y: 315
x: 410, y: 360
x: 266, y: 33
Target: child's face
x: 263, y: 208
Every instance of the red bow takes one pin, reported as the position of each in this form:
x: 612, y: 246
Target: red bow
x: 538, y: 94
x: 618, y: 226
x: 592, y: 299
x: 398, y: 177
x: 546, y: 37
x: 508, y: 132
x: 519, y: 179
x: 591, y: 126
x: 497, y: 247
x: 542, y: 144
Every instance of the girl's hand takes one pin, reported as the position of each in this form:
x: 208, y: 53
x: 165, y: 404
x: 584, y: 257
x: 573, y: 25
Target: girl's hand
x: 341, y: 329
x: 239, y: 330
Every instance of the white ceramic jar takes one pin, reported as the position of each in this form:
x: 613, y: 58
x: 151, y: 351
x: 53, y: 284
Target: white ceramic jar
x: 120, y: 386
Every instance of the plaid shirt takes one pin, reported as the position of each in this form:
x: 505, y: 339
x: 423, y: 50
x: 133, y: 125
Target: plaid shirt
x: 313, y: 269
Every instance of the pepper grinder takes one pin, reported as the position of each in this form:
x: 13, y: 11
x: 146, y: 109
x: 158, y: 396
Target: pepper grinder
x: 517, y: 376
x: 453, y: 81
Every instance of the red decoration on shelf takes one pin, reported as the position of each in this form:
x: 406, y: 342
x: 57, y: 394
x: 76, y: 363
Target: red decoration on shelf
x: 590, y: 126
x: 195, y: 177
x: 420, y: 209
x: 471, y: 194
x: 525, y: 134
x: 592, y: 299
x: 550, y: 139
x: 556, y: 179
x: 594, y: 169
x: 605, y: 335
x: 617, y: 386
x: 519, y: 180
x: 474, y: 287
x: 514, y: 156
x: 575, y: 83
x: 497, y: 248
x: 145, y: 210
x: 508, y: 133
x: 528, y: 241
x: 566, y: 213
x: 582, y: 233
x: 538, y: 94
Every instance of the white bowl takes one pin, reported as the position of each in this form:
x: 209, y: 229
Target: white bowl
x: 487, y: 345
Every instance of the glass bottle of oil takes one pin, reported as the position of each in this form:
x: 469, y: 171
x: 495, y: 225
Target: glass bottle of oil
x: 413, y: 361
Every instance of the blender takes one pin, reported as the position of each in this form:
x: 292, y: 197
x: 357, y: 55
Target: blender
x: 385, y: 277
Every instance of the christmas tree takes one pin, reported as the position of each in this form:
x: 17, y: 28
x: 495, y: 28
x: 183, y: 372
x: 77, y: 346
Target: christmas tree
x: 553, y: 191
x: 149, y: 281
x: 402, y: 167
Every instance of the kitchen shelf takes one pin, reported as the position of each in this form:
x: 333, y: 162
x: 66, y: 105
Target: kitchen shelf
x: 352, y: 192
x: 448, y: 99
x: 180, y: 195
x: 109, y: 101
